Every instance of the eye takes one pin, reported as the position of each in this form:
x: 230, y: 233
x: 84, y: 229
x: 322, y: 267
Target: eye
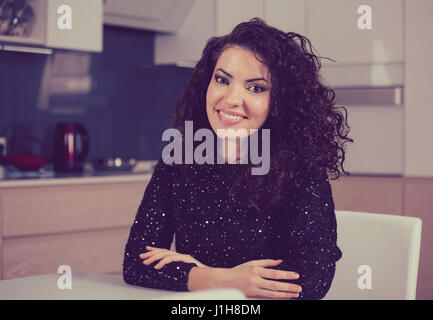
x: 221, y: 80
x: 256, y: 89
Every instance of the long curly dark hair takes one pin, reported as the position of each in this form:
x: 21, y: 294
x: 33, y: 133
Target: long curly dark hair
x: 307, y: 131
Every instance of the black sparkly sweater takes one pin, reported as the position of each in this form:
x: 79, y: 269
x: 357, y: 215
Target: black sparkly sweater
x: 210, y: 225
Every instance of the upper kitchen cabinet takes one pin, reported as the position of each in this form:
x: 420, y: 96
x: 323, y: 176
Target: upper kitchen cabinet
x: 85, y: 29
x: 161, y: 15
x: 65, y: 24
x: 218, y: 17
x: 363, y: 36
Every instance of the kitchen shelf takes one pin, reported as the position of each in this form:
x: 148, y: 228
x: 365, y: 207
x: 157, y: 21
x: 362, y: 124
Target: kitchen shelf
x: 86, y: 34
x: 22, y: 40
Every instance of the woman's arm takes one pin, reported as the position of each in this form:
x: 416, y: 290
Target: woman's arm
x: 252, y: 278
x: 314, y: 235
x: 207, y: 278
x: 153, y: 226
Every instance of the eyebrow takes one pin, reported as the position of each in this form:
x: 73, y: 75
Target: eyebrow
x: 249, y: 80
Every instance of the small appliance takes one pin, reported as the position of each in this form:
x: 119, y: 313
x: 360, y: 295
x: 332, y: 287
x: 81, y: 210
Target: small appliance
x: 71, y: 146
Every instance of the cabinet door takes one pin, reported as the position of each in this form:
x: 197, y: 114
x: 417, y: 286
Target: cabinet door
x: 49, y: 210
x: 369, y: 194
x: 230, y: 13
x: 219, y: 17
x: 332, y: 26
x: 138, y: 9
x: 80, y: 27
x: 377, y: 132
x: 288, y: 16
x: 99, y: 251
x: 418, y: 202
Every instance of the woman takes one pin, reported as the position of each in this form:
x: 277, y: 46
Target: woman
x: 271, y: 235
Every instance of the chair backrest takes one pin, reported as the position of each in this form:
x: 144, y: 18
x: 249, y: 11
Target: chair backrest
x: 378, y: 249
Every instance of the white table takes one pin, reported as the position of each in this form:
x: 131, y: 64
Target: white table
x: 94, y: 286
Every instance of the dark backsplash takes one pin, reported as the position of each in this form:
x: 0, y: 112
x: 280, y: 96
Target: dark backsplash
x: 128, y: 105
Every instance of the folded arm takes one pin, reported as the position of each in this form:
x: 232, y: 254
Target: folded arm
x: 314, y: 249
x: 153, y: 226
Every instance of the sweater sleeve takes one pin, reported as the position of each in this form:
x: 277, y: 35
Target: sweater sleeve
x: 154, y: 226
x: 313, y: 235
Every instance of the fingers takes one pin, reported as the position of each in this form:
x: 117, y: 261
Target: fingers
x: 279, y: 286
x: 172, y: 258
x: 158, y: 256
x: 278, y: 274
x: 151, y: 253
x: 266, y: 262
x: 152, y: 248
x: 276, y: 294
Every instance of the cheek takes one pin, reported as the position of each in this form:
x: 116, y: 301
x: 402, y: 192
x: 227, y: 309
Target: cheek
x: 212, y: 96
x: 260, y: 108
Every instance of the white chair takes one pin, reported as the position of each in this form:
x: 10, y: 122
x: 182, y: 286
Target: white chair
x: 386, y: 245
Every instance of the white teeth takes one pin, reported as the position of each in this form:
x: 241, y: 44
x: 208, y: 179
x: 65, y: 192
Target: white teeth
x: 231, y: 116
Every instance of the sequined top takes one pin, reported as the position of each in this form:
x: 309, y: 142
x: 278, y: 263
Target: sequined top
x: 211, y: 226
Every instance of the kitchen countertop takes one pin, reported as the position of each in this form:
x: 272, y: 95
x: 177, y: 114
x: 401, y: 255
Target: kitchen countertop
x: 94, y: 286
x: 142, y: 172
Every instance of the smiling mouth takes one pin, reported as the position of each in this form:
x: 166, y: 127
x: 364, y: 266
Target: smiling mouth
x: 230, y: 116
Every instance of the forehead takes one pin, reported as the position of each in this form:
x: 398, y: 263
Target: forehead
x: 241, y: 62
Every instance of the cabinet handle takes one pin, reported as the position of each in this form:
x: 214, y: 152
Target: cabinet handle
x: 379, y: 96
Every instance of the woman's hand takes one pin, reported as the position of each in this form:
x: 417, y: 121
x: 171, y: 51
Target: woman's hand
x: 250, y: 277
x: 166, y: 256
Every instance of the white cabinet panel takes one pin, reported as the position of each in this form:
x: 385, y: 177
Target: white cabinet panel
x: 229, y: 13
x: 332, y: 25
x: 218, y: 17
x: 377, y: 132
x: 288, y: 16
x: 418, y: 70
x: 86, y: 25
x: 141, y: 9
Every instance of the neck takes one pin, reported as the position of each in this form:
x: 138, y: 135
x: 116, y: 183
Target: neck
x: 232, y: 151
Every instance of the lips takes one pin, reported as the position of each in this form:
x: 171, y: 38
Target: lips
x: 232, y: 113
x: 228, y: 121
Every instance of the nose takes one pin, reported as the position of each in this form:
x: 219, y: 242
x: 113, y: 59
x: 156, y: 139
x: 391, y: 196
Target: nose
x: 234, y: 96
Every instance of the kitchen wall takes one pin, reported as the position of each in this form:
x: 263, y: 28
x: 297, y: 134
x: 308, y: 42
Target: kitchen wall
x: 124, y: 101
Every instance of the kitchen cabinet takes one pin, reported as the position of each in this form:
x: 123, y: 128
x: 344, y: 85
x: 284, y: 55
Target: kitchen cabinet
x: 369, y: 194
x: 86, y: 31
x: 332, y: 26
x: 218, y: 17
x: 47, y: 226
x: 418, y: 202
x: 161, y: 15
x: 363, y: 57
x: 377, y: 132
x: 75, y: 26
x: 418, y: 71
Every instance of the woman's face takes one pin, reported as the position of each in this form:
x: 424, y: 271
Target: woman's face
x: 238, y: 93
